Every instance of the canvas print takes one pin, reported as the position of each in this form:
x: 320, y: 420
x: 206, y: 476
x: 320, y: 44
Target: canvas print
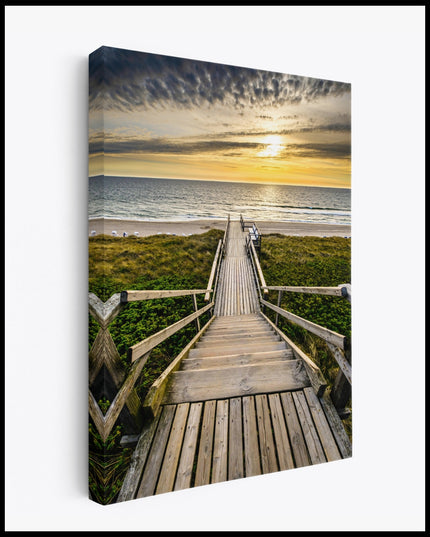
x: 219, y: 235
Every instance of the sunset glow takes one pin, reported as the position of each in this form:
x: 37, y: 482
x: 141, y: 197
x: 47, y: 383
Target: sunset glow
x: 174, y: 118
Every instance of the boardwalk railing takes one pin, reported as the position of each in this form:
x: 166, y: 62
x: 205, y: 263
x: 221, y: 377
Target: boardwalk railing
x: 338, y: 344
x: 254, y: 233
x: 103, y: 352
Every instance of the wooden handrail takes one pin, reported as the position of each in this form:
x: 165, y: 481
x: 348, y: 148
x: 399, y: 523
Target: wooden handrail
x: 335, y: 291
x: 155, y: 394
x: 132, y: 296
x: 141, y: 348
x: 324, y: 333
x: 258, y: 267
x: 315, y: 376
x: 213, y: 270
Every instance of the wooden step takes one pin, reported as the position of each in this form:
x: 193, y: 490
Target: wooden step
x: 206, y: 384
x: 236, y: 340
x: 237, y: 320
x: 220, y: 319
x: 225, y: 350
x: 210, y: 336
x: 203, y: 344
x: 242, y: 330
x: 230, y: 360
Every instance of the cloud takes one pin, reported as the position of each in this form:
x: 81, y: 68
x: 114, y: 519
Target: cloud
x: 124, y: 80
x: 112, y: 145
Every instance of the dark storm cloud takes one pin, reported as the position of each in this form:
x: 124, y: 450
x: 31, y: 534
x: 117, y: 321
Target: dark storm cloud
x: 109, y: 145
x: 123, y: 80
x: 326, y: 151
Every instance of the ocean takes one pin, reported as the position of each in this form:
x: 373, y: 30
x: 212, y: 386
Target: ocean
x: 132, y: 198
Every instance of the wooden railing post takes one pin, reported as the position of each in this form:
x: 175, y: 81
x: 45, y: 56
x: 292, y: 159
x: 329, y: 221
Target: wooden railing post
x: 195, y: 309
x: 341, y: 391
x: 280, y: 293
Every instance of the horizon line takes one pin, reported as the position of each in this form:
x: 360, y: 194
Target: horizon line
x: 216, y: 181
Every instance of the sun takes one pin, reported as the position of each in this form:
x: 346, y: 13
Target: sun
x: 273, y: 146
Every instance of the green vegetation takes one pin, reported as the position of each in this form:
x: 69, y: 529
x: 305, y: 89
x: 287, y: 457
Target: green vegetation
x: 173, y: 262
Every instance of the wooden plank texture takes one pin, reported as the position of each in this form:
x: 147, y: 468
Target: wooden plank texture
x: 250, y: 437
x: 192, y: 386
x: 313, y: 443
x: 235, y: 443
x: 220, y: 445
x: 155, y: 458
x: 324, y: 431
x: 297, y: 440
x: 167, y: 476
x: 140, y: 455
x: 283, y: 448
x: 267, y: 445
x: 204, y: 461
x: 185, y: 468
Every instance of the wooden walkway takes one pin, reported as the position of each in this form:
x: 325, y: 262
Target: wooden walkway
x: 236, y: 294
x: 241, y: 404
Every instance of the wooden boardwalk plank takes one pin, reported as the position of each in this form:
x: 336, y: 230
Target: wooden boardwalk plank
x: 235, y: 360
x: 173, y: 450
x: 338, y: 430
x: 283, y: 448
x: 297, y: 440
x: 204, y: 461
x: 185, y: 468
x: 250, y: 438
x: 153, y: 465
x: 324, y: 431
x: 313, y: 443
x: 220, y: 447
x: 267, y: 446
x: 193, y: 386
x: 235, y: 442
x: 132, y: 478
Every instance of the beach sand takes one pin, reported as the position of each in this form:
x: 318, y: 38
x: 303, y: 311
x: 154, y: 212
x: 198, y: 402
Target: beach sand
x: 192, y: 227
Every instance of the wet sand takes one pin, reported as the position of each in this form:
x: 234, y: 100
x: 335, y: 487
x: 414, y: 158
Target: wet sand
x: 145, y: 228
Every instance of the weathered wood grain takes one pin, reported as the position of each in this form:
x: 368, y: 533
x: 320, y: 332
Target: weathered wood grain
x: 140, y: 454
x: 337, y: 428
x: 137, y: 295
x: 333, y: 291
x: 204, y: 460
x: 192, y: 386
x: 265, y: 435
x: 214, y: 269
x: 167, y: 476
x: 155, y: 459
x: 250, y: 437
x: 235, y: 442
x: 313, y: 443
x: 297, y: 440
x: 220, y: 445
x: 283, y: 448
x: 324, y: 431
x: 185, y: 467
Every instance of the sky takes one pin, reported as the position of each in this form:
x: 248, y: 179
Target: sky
x: 161, y: 116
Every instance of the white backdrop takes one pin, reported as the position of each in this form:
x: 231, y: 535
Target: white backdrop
x: 380, y: 50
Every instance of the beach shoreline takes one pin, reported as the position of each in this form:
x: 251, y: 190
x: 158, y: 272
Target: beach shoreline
x: 99, y: 226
